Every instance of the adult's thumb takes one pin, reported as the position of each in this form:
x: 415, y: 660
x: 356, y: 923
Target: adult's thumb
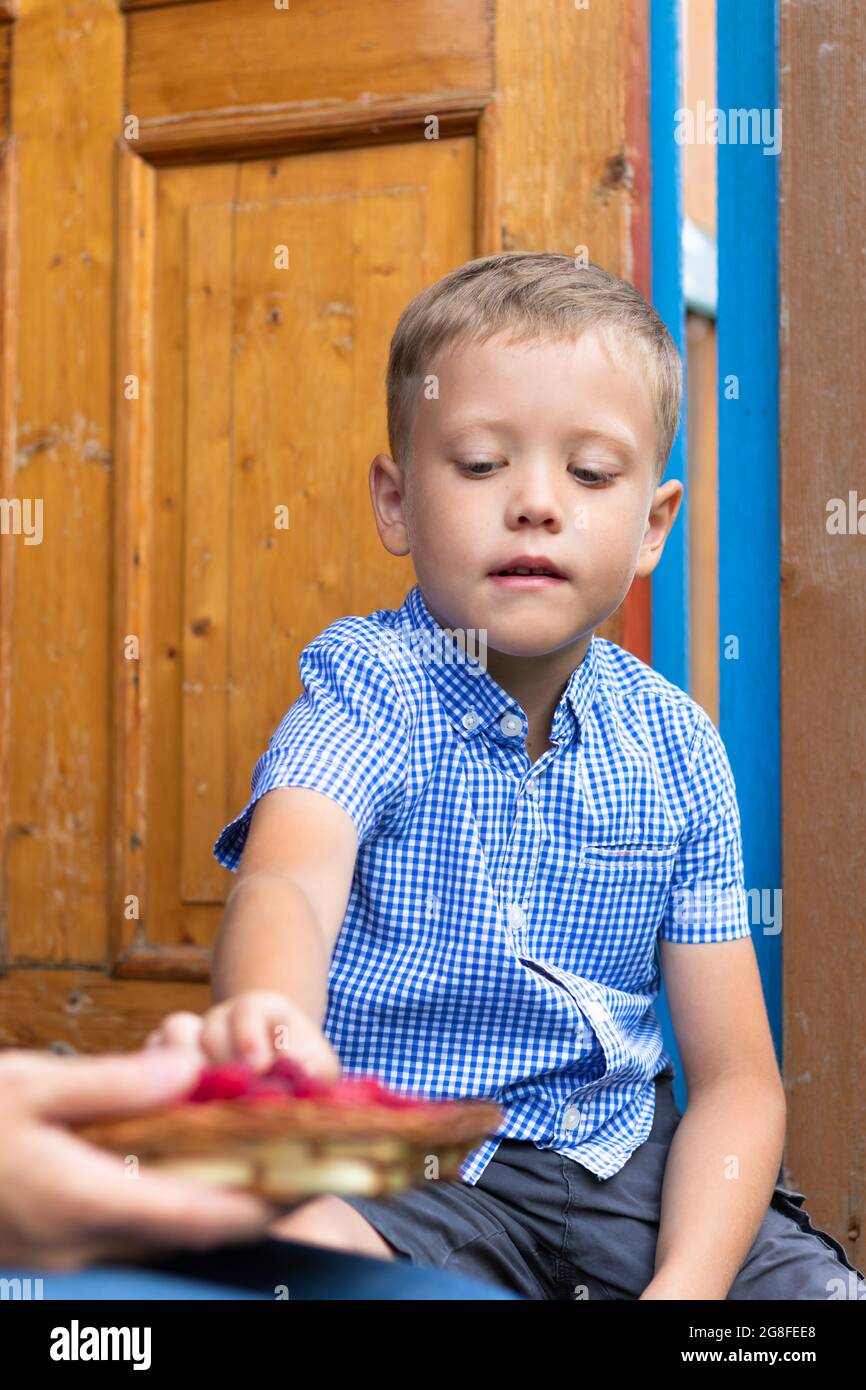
x: 116, y: 1084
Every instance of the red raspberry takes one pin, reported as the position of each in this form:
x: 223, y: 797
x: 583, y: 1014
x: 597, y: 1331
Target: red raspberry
x: 349, y: 1092
x: 288, y: 1079
x: 260, y: 1087
x: 294, y: 1080
x: 381, y: 1094
x: 223, y: 1083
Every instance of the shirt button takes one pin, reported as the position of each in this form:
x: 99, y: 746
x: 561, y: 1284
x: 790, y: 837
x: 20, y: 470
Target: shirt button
x: 531, y: 788
x: 470, y: 719
x: 516, y: 916
x: 571, y: 1118
x: 511, y: 724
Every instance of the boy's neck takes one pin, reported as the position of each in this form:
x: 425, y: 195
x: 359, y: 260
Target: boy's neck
x: 537, y: 684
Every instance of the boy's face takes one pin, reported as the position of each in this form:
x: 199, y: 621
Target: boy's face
x: 546, y: 450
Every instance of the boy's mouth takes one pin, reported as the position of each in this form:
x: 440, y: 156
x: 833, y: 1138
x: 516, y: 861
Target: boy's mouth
x: 527, y: 581
x: 527, y: 572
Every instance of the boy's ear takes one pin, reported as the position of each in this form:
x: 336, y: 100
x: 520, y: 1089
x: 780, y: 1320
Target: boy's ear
x: 387, y: 494
x: 662, y: 514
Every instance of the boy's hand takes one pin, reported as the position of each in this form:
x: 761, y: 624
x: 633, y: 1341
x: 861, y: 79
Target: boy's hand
x: 257, y: 1026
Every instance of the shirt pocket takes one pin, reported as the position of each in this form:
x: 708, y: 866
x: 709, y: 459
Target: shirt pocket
x: 646, y: 857
x: 611, y: 903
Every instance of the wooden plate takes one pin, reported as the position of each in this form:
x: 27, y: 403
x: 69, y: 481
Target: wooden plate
x: 288, y: 1150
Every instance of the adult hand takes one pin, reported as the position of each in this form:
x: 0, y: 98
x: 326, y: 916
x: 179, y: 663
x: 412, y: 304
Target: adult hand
x: 64, y: 1203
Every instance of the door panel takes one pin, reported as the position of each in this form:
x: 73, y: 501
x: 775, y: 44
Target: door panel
x: 275, y: 401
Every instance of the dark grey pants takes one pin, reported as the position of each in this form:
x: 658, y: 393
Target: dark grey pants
x: 544, y: 1227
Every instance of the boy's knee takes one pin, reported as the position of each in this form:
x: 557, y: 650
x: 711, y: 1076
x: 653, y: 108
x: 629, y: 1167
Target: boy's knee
x: 331, y: 1222
x: 791, y: 1259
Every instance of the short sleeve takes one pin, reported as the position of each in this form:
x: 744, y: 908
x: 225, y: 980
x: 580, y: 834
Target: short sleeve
x: 708, y: 897
x: 346, y: 736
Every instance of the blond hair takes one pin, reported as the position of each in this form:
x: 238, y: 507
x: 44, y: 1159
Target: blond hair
x: 531, y: 295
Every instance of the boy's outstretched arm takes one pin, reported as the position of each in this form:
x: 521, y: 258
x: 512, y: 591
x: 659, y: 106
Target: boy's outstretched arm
x: 277, y: 936
x: 274, y: 947
x: 284, y: 913
x: 724, y: 1158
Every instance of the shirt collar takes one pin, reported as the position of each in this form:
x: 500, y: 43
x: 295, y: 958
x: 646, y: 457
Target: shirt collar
x: 473, y: 700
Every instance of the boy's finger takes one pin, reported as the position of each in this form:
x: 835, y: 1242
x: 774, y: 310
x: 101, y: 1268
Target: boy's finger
x: 181, y: 1030
x: 251, y: 1035
x: 216, y: 1040
x: 295, y: 1035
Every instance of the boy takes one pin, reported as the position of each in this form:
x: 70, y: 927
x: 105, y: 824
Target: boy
x: 458, y: 870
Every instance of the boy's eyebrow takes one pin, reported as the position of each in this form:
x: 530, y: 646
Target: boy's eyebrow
x: 622, y: 444
x: 476, y: 422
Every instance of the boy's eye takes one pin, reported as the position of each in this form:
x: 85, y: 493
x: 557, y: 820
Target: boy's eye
x: 474, y: 464
x: 591, y: 476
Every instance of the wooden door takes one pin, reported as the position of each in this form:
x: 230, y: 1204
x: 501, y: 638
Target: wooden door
x: 197, y: 310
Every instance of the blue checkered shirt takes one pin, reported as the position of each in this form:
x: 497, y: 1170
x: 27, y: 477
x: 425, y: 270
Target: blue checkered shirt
x: 500, y: 937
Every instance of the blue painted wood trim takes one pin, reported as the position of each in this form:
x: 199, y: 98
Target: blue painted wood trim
x: 749, y: 549
x: 670, y: 589
x: 749, y: 558
x: 670, y: 586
